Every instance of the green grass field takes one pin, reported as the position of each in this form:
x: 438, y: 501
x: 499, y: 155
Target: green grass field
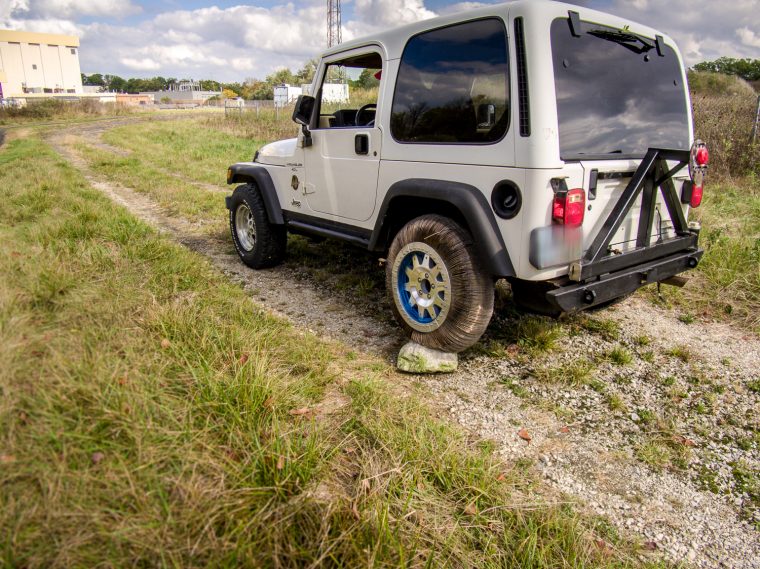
x: 151, y: 414
x: 728, y: 283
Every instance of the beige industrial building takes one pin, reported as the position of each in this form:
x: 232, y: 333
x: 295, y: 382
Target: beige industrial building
x: 39, y: 64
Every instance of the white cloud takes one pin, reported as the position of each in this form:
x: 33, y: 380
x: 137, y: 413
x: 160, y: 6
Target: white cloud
x: 387, y: 13
x: 702, y: 29
x: 748, y: 37
x: 10, y: 7
x: 144, y: 64
x: 462, y: 7
x: 372, y: 16
x: 241, y: 64
x: 44, y: 26
x: 226, y: 44
x: 94, y: 8
x: 248, y: 40
x: 67, y: 9
x: 182, y: 36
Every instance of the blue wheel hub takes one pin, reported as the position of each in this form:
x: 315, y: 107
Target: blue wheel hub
x: 422, y: 288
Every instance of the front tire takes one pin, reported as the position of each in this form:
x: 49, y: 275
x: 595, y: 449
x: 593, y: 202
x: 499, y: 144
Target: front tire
x: 439, y: 291
x: 259, y: 243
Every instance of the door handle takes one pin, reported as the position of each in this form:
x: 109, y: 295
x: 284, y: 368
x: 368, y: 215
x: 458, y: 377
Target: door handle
x: 361, y: 144
x: 592, y: 181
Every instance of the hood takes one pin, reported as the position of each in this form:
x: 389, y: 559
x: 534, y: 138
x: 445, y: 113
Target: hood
x: 278, y: 153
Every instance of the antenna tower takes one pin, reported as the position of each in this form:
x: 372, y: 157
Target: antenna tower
x: 333, y: 23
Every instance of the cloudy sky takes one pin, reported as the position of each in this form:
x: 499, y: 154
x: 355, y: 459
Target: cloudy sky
x: 230, y: 41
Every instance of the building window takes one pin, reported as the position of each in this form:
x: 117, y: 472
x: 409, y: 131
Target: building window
x: 71, y: 90
x: 73, y: 51
x: 34, y: 66
x: 453, y: 85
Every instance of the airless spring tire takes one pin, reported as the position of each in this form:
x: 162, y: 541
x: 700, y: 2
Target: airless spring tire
x: 439, y: 291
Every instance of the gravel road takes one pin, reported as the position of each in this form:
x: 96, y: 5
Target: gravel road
x: 657, y: 431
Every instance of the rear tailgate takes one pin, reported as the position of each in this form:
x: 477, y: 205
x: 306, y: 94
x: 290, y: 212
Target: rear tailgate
x: 640, y: 235
x: 605, y: 181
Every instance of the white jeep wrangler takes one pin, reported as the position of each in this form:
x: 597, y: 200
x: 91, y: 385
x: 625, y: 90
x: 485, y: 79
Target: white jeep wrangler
x: 535, y: 141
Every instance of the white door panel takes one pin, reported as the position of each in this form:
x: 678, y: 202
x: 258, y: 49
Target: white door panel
x: 340, y: 181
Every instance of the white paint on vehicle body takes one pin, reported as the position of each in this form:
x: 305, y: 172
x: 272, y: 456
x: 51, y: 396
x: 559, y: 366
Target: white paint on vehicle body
x: 348, y: 188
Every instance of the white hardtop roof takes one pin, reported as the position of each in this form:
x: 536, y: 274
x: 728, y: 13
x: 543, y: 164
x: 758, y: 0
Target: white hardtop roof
x: 394, y: 40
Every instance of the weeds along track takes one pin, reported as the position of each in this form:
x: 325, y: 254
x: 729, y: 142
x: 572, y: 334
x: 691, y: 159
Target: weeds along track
x: 645, y: 417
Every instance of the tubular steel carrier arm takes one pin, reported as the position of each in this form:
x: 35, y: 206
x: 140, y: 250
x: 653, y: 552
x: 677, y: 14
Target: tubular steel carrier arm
x: 600, y: 276
x: 651, y: 175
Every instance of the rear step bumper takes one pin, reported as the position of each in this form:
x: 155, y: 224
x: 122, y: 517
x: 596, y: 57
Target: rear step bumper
x: 578, y: 296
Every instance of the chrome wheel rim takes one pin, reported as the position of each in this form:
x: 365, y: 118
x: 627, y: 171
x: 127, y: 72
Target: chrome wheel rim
x: 245, y: 227
x: 422, y: 287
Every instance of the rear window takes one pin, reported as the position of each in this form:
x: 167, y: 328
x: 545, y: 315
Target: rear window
x: 616, y: 96
x: 453, y: 85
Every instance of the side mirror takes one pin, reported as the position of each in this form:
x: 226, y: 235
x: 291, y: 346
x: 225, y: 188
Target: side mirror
x: 303, y: 110
x: 302, y: 115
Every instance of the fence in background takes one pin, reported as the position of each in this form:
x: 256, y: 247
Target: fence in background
x: 237, y: 107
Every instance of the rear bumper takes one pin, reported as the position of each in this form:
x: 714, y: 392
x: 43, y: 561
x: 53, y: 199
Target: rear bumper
x: 579, y: 296
x: 600, y: 274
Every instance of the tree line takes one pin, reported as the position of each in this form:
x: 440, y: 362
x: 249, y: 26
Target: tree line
x: 747, y: 69
x: 251, y: 88
x: 137, y: 85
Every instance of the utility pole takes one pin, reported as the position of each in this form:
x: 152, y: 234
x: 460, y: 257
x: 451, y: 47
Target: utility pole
x: 333, y: 23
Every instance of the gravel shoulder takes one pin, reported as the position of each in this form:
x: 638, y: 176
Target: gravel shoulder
x: 657, y: 431
x: 609, y: 456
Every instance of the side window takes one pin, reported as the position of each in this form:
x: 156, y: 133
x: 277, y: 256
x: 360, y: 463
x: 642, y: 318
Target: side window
x: 349, y: 91
x: 453, y: 85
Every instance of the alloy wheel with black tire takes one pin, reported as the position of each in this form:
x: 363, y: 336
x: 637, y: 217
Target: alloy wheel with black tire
x: 259, y: 243
x: 439, y: 291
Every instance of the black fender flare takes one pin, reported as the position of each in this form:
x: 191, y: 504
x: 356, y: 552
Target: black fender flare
x: 471, y: 204
x: 247, y: 172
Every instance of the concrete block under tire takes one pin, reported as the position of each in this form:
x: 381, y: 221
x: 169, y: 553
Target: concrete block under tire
x: 415, y: 358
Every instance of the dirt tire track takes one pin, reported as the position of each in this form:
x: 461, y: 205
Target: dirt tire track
x: 591, y: 461
x: 309, y: 308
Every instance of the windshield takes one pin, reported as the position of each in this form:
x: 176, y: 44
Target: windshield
x: 616, y: 96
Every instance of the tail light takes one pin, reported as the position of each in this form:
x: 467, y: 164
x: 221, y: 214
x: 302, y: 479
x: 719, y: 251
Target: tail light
x: 569, y: 207
x: 696, y: 196
x: 698, y: 172
x: 702, y: 156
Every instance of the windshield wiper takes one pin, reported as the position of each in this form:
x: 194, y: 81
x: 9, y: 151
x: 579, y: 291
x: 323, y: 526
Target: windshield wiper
x: 628, y: 40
